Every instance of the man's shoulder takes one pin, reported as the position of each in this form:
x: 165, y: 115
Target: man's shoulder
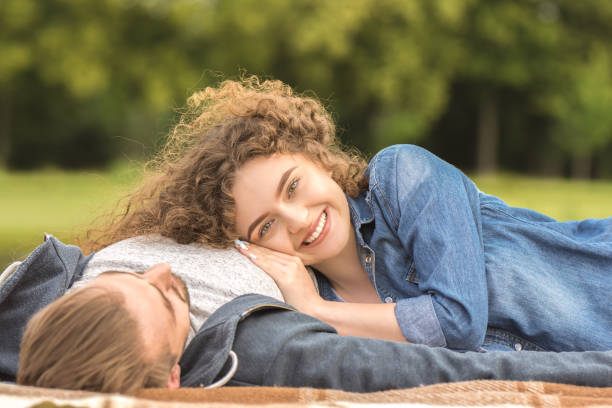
x: 206, y: 355
x: 41, y: 278
x: 243, y: 306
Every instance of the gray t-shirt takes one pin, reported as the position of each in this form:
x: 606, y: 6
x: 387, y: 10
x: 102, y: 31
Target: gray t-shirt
x: 213, y: 276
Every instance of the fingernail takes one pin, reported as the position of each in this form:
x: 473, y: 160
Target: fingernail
x: 252, y: 256
x: 241, y: 244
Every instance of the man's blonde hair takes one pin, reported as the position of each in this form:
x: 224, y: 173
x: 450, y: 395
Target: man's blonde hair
x: 87, y: 340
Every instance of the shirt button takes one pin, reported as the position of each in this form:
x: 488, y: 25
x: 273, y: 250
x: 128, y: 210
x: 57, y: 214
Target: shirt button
x: 518, y: 346
x: 388, y: 299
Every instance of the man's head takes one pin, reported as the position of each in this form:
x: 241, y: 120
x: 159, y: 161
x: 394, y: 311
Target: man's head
x: 121, y: 332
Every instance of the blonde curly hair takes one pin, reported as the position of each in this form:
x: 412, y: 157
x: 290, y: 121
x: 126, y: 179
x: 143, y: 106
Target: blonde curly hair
x: 188, y: 196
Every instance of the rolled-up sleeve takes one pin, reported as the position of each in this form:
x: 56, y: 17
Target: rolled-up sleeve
x: 418, y: 321
x: 437, y: 214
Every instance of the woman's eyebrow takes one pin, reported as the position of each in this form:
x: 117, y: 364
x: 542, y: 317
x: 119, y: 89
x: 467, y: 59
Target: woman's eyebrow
x: 279, y: 190
x: 283, y: 181
x: 136, y: 275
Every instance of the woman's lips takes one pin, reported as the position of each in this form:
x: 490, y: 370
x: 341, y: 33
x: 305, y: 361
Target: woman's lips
x: 323, y: 233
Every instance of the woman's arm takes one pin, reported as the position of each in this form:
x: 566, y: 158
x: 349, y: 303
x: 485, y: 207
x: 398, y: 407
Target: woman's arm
x: 356, y: 319
x: 434, y: 211
x: 375, y: 321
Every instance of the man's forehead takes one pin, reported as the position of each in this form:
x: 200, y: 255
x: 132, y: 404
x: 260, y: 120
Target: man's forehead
x: 139, y: 276
x: 112, y: 272
x: 122, y: 281
x: 119, y: 275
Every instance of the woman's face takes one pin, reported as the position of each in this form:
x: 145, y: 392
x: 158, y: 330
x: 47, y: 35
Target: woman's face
x: 288, y: 203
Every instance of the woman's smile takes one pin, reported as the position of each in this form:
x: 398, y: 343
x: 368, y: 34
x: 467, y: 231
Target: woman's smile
x: 320, y: 231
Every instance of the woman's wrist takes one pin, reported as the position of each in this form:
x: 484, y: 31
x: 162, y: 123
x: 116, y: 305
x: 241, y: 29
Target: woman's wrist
x: 317, y: 308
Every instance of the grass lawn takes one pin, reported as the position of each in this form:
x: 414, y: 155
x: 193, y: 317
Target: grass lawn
x: 56, y: 202
x: 561, y: 199
x: 64, y: 203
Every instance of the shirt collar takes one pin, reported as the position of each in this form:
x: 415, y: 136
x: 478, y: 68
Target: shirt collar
x: 361, y: 211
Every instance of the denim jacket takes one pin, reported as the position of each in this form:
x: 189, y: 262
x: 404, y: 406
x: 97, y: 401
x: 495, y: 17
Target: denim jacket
x: 42, y: 277
x: 257, y: 340
x: 462, y: 265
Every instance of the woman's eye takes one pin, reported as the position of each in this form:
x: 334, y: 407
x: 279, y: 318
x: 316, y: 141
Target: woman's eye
x: 293, y: 187
x: 265, y: 228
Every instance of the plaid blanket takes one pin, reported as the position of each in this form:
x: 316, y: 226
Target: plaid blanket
x: 473, y: 393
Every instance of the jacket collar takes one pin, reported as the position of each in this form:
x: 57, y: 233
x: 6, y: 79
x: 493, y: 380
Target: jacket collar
x: 208, y: 353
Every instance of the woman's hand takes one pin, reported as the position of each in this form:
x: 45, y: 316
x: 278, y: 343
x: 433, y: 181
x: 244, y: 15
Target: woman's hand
x: 288, y: 272
x: 356, y: 319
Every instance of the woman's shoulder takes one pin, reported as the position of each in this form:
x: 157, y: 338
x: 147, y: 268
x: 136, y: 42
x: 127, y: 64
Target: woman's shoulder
x: 402, y: 150
x: 404, y: 159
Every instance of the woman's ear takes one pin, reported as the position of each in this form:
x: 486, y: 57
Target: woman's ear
x: 175, y: 377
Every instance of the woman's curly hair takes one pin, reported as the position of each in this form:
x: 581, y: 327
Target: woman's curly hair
x: 188, y: 195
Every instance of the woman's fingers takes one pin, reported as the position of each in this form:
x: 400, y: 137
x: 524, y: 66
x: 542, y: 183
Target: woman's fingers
x: 287, y: 271
x: 254, y: 252
x: 272, y: 262
x: 257, y: 250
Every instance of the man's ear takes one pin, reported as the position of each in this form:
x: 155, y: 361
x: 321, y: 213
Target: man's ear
x: 175, y: 377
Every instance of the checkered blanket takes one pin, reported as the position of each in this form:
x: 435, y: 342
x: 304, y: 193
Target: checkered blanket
x: 473, y: 393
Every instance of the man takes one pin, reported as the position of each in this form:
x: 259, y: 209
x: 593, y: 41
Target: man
x: 54, y: 269
x: 273, y: 344
x: 122, y: 332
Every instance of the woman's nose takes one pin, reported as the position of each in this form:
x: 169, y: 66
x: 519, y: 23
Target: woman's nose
x: 297, y: 219
x: 160, y: 274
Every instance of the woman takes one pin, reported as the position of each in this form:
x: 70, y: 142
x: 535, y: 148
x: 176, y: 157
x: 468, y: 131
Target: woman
x: 416, y: 252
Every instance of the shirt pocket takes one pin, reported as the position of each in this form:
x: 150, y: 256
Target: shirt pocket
x: 411, y: 275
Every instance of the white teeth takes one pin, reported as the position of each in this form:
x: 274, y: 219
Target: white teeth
x: 316, y: 232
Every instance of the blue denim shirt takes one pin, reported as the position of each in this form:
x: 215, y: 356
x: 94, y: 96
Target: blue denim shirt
x: 461, y: 264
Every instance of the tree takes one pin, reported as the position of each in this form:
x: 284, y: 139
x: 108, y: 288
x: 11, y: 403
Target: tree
x: 15, y: 19
x: 581, y: 100
x: 582, y: 108
x: 508, y: 45
x: 103, y: 77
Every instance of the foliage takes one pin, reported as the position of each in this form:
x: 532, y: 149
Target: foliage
x: 583, y: 107
x: 82, y: 82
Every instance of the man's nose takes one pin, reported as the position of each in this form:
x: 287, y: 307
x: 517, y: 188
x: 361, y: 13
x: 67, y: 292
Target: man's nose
x: 160, y: 274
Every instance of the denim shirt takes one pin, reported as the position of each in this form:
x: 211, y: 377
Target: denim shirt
x: 461, y: 265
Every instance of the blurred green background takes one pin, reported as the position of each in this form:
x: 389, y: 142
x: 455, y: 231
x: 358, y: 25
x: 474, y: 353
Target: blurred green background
x: 518, y: 93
